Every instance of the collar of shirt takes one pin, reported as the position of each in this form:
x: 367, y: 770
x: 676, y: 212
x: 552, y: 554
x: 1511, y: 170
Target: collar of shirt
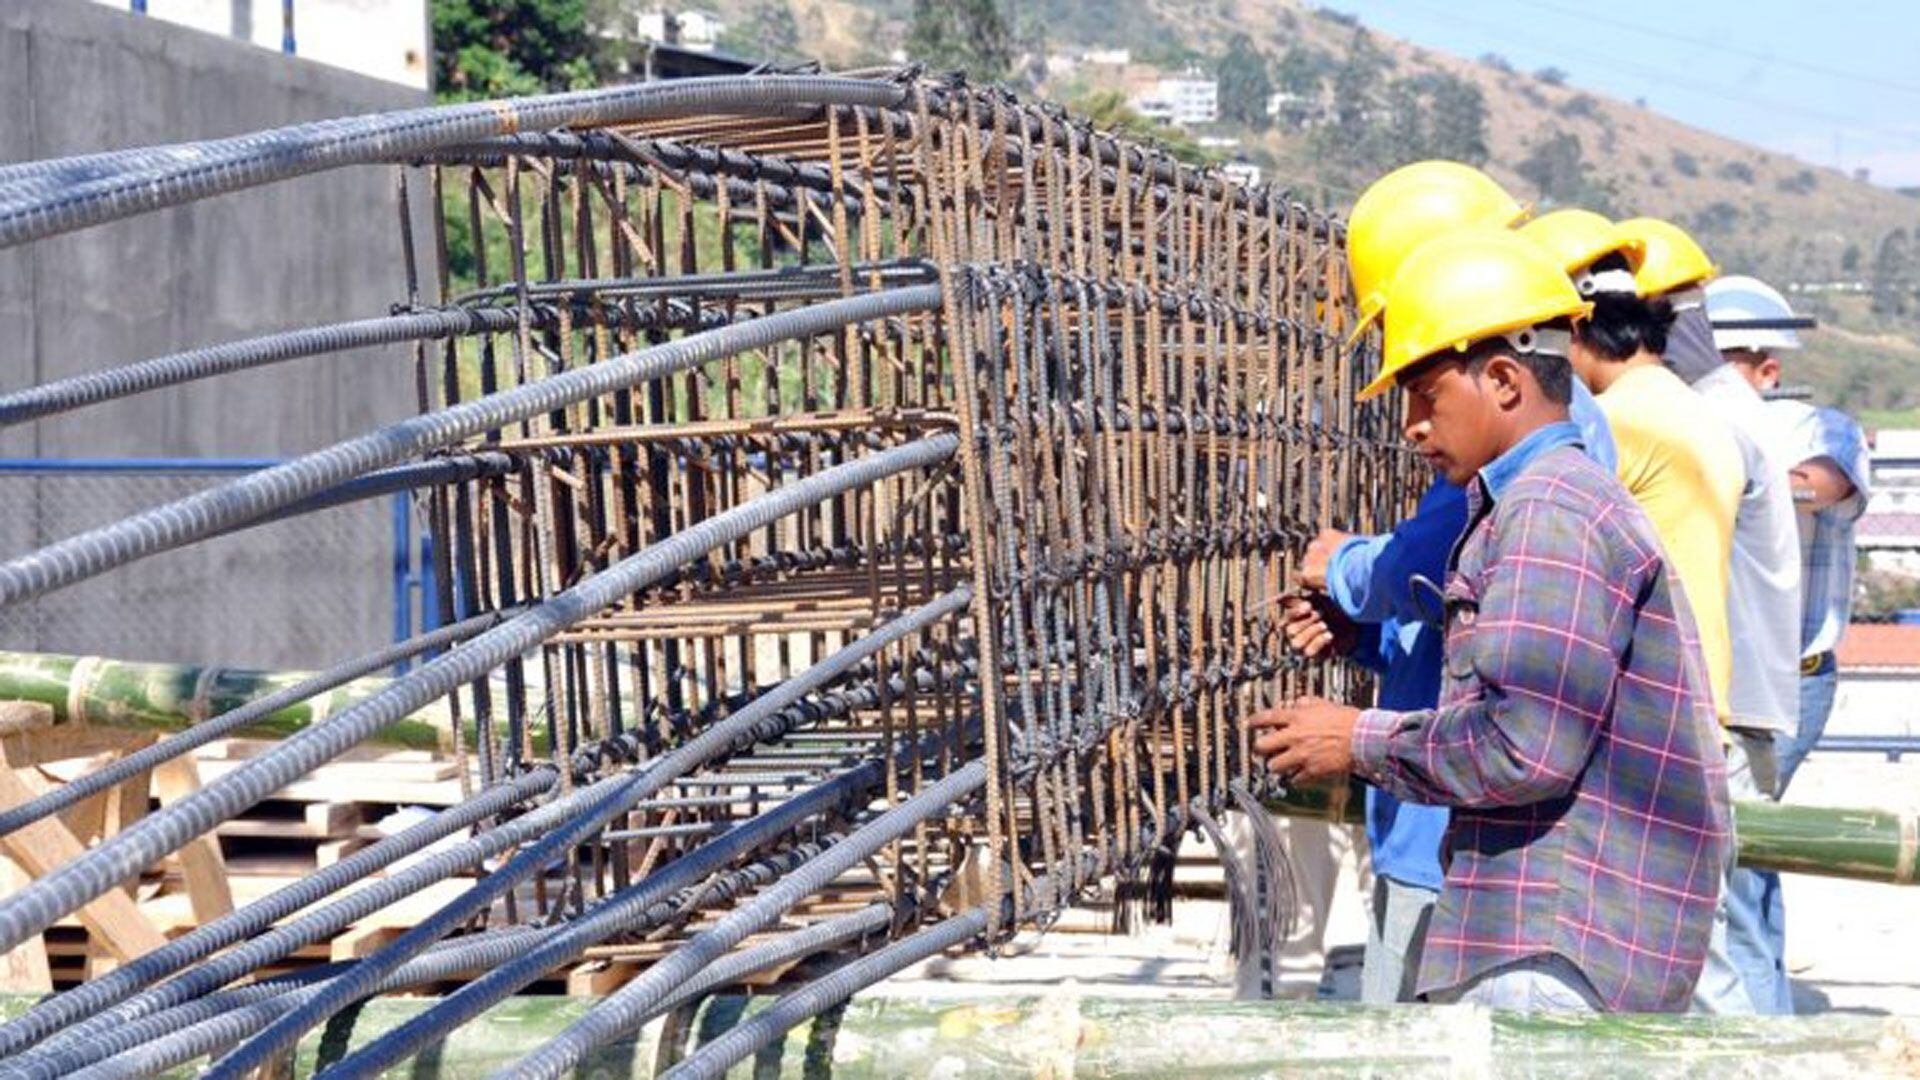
x: 1496, y: 475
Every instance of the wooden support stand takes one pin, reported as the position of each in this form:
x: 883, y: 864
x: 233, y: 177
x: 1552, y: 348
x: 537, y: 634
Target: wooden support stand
x: 35, y: 755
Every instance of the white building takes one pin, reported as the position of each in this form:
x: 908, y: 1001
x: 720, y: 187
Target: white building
x: 1244, y: 173
x: 694, y: 30
x: 385, y: 39
x: 1889, y: 532
x: 1186, y: 100
x: 1111, y: 57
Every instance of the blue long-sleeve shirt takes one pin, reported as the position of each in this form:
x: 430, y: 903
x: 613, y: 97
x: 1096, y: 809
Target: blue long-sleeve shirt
x: 1390, y: 585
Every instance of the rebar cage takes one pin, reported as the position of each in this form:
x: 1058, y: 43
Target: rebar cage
x: 860, y: 507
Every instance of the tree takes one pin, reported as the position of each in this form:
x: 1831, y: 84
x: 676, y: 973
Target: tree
x: 1458, y: 129
x: 961, y: 35
x: 768, y: 31
x: 497, y: 48
x: 1557, y: 166
x: 1244, y: 83
x: 1356, y: 90
x: 1552, y: 76
x: 1890, y: 266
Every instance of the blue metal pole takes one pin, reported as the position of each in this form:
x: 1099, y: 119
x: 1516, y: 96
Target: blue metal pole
x: 144, y: 466
x: 402, y: 576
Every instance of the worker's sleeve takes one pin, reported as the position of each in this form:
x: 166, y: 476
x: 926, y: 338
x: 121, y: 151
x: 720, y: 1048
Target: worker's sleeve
x: 1832, y: 434
x: 1538, y: 650
x: 1372, y: 578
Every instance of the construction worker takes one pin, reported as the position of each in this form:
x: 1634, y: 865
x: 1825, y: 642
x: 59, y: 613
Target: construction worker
x: 1763, y: 706
x: 1574, y: 740
x: 1681, y: 463
x: 1375, y: 599
x: 1825, y: 455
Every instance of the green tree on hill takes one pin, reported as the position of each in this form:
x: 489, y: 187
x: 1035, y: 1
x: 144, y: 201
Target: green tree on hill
x: 768, y: 32
x: 1245, y: 85
x: 961, y: 35
x: 498, y: 48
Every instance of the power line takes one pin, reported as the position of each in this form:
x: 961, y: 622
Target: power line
x: 1666, y: 77
x: 1721, y: 46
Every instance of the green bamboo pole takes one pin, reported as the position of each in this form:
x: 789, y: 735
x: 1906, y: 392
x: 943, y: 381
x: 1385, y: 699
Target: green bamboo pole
x: 99, y: 692
x: 1867, y: 845
x: 1062, y: 1035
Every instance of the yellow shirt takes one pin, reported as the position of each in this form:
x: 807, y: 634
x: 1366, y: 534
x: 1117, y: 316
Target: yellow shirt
x: 1681, y: 464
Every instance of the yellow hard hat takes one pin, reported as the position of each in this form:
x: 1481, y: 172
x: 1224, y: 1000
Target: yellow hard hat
x: 1672, y: 260
x: 1467, y: 286
x: 1579, y: 238
x: 1406, y: 208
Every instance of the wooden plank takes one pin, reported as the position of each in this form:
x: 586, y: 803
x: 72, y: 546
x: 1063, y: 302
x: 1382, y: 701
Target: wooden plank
x: 201, y: 861
x: 354, y: 781
x: 40, y: 847
x: 25, y: 970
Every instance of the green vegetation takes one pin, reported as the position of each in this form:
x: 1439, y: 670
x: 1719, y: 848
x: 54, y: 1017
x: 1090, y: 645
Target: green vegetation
x: 961, y: 35
x: 1109, y: 111
x: 498, y: 48
x: 1244, y: 83
x: 767, y: 31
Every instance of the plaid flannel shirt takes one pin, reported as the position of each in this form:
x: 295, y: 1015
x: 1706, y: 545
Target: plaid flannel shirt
x: 1575, y: 739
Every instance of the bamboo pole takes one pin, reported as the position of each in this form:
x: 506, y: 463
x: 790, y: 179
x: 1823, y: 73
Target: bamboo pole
x: 99, y: 692
x: 1827, y: 841
x: 1060, y: 1034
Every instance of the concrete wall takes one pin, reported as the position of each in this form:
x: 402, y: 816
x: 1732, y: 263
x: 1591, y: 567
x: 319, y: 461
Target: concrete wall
x: 386, y: 39
x: 80, y: 77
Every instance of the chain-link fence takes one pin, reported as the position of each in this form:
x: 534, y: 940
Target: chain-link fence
x: 291, y: 594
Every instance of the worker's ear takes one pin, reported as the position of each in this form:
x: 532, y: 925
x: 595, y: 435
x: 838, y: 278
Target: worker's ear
x: 1506, y: 379
x: 1768, y: 369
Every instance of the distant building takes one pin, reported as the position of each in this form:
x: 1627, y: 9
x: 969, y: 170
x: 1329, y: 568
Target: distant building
x: 1186, y: 100
x: 1888, y: 534
x: 1244, y: 173
x: 386, y: 39
x: 1061, y: 64
x: 692, y: 29
x: 1113, y: 57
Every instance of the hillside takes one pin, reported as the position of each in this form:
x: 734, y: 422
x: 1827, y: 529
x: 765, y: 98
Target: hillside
x: 1359, y: 100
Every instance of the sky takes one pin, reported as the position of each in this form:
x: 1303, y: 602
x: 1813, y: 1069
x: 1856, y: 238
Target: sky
x: 1835, y: 83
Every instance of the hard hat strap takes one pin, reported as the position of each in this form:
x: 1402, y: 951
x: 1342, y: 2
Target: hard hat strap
x: 1614, y: 282
x: 1688, y: 298
x: 1539, y: 339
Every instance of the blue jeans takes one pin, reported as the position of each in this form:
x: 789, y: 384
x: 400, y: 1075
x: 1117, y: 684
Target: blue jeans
x: 1753, y: 943
x: 1753, y: 899
x: 1548, y: 983
x: 1396, y: 934
x: 1816, y: 704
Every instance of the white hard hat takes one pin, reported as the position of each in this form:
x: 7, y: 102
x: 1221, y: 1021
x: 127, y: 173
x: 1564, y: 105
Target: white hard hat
x: 1748, y: 313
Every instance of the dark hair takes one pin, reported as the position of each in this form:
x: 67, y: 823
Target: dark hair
x: 1553, y: 373
x: 1623, y: 325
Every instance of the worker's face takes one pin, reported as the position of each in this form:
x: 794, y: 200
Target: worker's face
x: 1758, y: 368
x: 1452, y: 418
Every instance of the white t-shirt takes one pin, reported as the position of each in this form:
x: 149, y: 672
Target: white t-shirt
x: 1763, y: 589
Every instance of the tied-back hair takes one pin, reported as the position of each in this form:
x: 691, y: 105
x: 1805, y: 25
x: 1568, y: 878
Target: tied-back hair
x: 1622, y: 325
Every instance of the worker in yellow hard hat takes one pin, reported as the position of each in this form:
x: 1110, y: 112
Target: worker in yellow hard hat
x: 1694, y: 462
x: 1358, y: 590
x: 1573, y: 739
x: 1374, y: 598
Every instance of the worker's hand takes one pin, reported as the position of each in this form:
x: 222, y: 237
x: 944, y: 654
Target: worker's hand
x: 1312, y: 573
x: 1306, y: 740
x: 1315, y: 626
